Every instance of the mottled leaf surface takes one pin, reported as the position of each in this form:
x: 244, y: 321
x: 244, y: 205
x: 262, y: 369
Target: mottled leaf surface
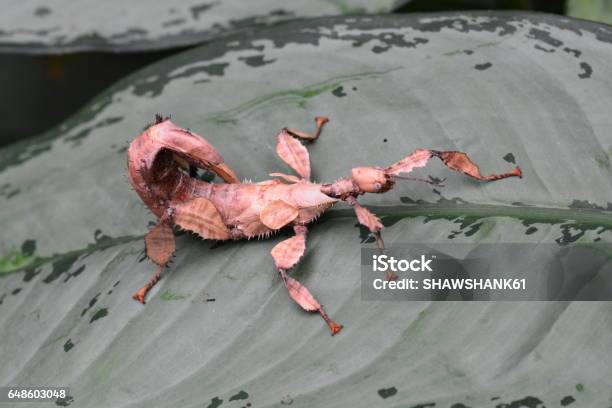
x: 59, y: 26
x: 509, y: 89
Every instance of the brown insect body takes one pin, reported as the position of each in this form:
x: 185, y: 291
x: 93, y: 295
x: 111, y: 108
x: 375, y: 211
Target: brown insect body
x: 161, y: 159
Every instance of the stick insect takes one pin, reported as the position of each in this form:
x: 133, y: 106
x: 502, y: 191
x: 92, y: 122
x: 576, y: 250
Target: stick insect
x: 162, y: 163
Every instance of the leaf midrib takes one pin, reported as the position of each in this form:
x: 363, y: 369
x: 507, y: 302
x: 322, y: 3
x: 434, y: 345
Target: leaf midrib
x: 591, y: 218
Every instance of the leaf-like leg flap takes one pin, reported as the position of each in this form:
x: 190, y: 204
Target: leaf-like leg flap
x: 160, y: 243
x: 460, y: 162
x: 418, y: 158
x: 302, y: 296
x: 454, y: 160
x: 371, y: 222
x: 199, y: 215
x: 277, y: 214
x: 287, y: 253
x: 294, y: 153
x: 368, y: 220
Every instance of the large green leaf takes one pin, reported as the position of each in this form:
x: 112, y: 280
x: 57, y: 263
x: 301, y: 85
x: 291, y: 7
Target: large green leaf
x: 530, y: 89
x: 59, y: 26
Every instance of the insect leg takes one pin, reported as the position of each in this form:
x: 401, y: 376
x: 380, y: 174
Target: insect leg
x: 160, y: 245
x: 286, y: 255
x: 292, y: 152
x: 371, y: 222
x: 142, y: 292
x: 460, y: 161
x: 454, y: 160
x: 320, y: 121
